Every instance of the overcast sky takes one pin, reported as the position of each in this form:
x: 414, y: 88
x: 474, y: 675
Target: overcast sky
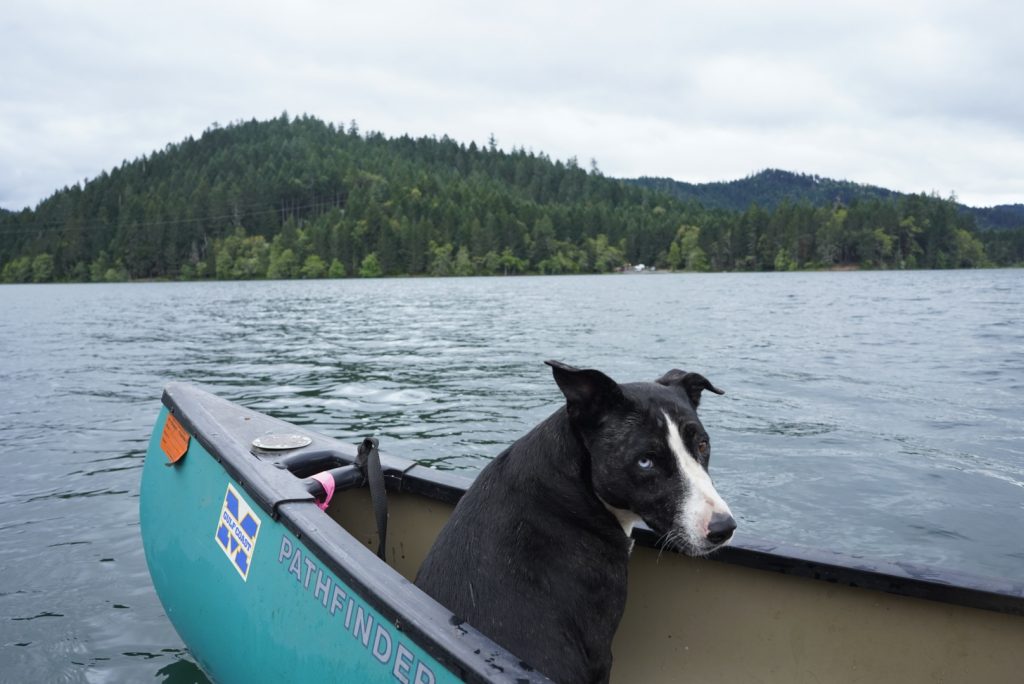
x: 915, y: 96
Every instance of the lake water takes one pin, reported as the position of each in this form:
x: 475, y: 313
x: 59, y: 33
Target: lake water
x: 876, y: 414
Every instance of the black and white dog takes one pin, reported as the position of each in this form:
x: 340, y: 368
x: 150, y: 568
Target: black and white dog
x: 535, y: 555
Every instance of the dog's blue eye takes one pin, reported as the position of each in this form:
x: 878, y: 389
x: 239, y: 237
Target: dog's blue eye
x: 645, y: 463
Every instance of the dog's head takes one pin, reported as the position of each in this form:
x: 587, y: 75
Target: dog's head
x: 649, y: 453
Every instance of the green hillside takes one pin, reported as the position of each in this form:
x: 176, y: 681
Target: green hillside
x: 772, y: 187
x: 298, y: 197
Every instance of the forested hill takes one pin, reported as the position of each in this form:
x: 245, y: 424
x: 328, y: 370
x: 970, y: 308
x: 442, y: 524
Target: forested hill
x: 767, y: 189
x: 298, y: 197
x: 772, y: 187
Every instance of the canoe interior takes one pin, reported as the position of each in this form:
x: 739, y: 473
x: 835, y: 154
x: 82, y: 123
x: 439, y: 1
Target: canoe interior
x: 700, y: 620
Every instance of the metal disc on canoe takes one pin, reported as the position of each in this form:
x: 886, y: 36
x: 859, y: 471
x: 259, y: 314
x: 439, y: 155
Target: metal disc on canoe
x: 281, y: 441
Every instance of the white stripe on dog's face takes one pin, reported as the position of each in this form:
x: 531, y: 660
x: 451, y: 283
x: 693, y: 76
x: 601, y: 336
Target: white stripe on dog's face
x: 701, y: 500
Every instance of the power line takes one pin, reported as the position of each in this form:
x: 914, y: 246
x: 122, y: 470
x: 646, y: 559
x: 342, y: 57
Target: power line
x: 58, y: 226
x: 56, y: 223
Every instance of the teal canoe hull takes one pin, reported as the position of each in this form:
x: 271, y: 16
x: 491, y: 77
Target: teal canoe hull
x: 287, y: 618
x: 263, y: 586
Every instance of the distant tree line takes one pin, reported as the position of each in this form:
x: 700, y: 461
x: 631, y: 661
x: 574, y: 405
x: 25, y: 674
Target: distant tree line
x: 767, y: 189
x: 772, y: 187
x: 301, y: 198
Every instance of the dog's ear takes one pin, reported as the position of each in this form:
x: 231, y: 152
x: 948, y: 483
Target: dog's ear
x: 588, y: 393
x: 691, y: 383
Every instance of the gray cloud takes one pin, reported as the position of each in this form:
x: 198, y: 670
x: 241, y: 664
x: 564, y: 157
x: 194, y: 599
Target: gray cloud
x: 915, y: 96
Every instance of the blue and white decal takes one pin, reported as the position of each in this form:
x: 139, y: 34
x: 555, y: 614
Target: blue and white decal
x: 237, y: 529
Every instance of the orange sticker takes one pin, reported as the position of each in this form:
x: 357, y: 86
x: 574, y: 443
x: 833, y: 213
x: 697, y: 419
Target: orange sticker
x: 174, y: 440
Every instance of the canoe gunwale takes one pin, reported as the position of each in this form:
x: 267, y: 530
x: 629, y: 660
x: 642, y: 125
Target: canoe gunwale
x: 903, y: 579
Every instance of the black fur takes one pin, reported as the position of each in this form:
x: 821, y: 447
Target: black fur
x: 532, y: 555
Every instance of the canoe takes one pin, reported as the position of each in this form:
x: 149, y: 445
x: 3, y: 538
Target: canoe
x: 262, y: 584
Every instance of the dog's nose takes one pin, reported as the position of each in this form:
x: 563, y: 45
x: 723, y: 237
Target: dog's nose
x: 720, y: 528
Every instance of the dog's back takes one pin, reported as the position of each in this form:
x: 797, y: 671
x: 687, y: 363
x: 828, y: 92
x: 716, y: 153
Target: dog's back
x: 533, y: 561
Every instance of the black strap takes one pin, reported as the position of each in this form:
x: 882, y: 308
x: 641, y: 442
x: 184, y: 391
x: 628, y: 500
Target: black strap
x: 368, y: 460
